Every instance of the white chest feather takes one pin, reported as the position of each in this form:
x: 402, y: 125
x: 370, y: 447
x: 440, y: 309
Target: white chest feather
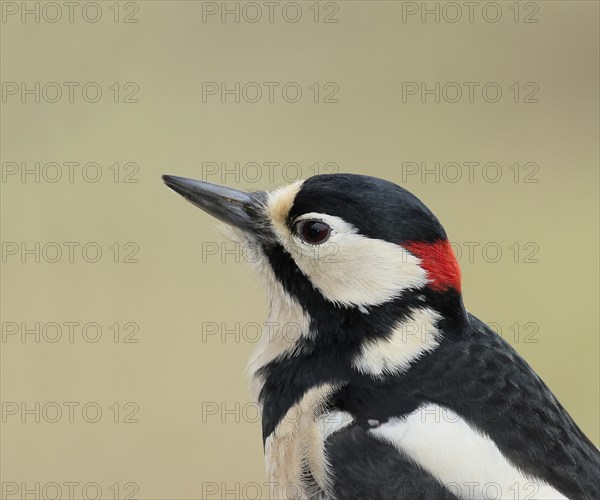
x: 297, y: 446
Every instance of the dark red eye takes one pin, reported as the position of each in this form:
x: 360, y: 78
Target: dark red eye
x: 314, y: 232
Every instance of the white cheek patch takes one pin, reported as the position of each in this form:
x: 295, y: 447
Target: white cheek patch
x: 350, y: 269
x: 410, y: 339
x: 465, y: 461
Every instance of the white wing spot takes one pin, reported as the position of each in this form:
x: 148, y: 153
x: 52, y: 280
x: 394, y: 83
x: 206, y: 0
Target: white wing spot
x: 463, y: 459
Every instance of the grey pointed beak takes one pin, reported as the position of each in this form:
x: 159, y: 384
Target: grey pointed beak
x: 228, y: 205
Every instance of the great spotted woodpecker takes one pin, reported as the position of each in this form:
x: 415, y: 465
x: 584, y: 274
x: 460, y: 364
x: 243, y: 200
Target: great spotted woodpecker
x: 391, y: 389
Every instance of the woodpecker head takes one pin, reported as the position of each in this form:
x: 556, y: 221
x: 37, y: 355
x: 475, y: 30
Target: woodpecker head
x: 342, y: 242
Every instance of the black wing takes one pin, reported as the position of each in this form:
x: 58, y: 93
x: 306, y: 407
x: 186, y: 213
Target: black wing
x: 524, y: 418
x: 366, y: 469
x: 479, y: 376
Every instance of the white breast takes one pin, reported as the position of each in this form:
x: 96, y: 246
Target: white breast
x: 298, y: 442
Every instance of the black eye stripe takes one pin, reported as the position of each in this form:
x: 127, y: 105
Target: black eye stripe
x: 312, y: 231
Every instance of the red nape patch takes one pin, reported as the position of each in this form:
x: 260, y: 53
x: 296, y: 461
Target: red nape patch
x: 439, y: 261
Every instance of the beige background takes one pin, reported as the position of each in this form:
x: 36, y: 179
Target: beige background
x: 171, y: 374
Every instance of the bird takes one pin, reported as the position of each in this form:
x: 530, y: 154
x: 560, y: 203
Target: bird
x: 373, y: 381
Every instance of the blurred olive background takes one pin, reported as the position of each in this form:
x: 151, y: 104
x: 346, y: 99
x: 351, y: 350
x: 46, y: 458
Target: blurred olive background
x: 176, y: 415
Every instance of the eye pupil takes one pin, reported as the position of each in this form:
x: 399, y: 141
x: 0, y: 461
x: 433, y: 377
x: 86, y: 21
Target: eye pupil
x: 314, y: 231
